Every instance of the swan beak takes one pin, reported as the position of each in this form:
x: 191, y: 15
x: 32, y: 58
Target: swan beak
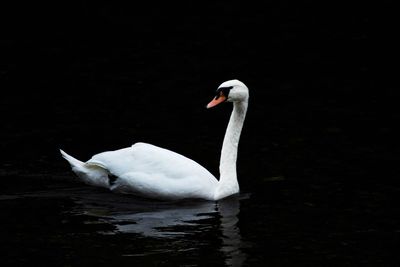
x: 217, y: 100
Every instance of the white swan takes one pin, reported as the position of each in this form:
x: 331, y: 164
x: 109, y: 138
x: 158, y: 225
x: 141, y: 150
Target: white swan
x: 153, y: 172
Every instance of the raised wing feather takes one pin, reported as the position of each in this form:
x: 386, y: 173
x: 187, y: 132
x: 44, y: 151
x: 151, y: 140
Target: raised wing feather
x: 150, y: 170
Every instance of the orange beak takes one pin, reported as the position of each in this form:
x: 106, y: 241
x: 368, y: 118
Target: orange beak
x: 216, y: 101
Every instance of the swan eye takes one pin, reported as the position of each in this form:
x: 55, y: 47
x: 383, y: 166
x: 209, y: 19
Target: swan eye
x: 223, y: 91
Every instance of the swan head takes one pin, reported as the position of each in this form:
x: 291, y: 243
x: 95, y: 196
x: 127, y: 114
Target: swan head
x: 230, y: 91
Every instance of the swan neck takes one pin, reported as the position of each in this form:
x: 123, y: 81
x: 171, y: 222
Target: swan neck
x: 228, y: 183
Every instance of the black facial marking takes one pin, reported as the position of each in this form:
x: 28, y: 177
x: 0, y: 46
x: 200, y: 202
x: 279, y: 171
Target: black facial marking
x: 225, y: 91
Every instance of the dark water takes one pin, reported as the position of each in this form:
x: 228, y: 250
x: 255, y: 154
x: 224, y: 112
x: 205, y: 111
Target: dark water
x: 318, y: 158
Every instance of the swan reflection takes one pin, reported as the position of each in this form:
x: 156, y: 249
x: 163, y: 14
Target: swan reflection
x: 175, y: 220
x: 165, y: 223
x: 232, y: 243
x: 185, y: 221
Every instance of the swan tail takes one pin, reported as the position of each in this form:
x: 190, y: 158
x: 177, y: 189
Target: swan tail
x: 72, y: 161
x: 89, y: 173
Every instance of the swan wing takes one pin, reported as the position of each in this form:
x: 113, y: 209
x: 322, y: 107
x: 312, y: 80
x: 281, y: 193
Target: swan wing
x: 152, y: 171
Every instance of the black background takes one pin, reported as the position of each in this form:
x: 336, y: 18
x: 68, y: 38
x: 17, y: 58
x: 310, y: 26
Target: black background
x: 92, y: 76
x: 74, y: 73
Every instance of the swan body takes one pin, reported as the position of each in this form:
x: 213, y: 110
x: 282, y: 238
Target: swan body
x: 154, y: 172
